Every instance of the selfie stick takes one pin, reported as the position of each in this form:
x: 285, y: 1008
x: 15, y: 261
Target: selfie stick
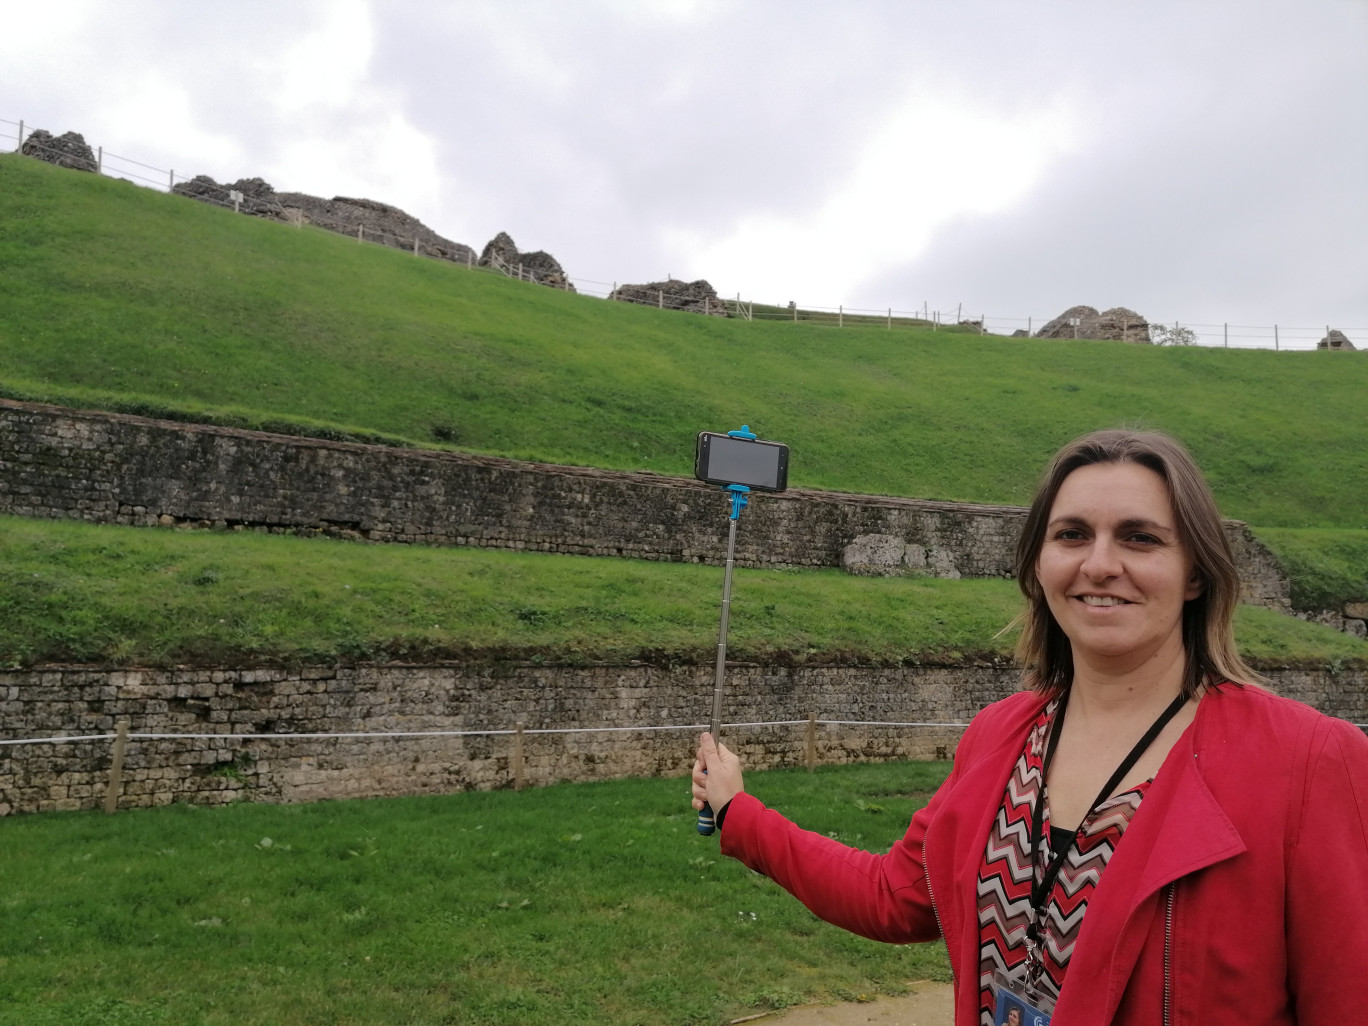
x: 706, y: 823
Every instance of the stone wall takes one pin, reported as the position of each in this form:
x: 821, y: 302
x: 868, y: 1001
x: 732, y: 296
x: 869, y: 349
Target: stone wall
x: 110, y: 468
x: 629, y: 705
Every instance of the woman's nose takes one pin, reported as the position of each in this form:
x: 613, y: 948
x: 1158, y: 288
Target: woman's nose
x: 1102, y: 561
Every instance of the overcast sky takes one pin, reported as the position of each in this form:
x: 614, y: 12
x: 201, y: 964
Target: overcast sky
x: 1196, y: 161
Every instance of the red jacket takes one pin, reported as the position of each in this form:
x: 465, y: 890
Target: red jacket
x: 1238, y: 896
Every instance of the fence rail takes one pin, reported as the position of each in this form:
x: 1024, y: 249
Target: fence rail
x: 517, y: 755
x: 517, y: 758
x: 492, y: 732
x: 1279, y: 337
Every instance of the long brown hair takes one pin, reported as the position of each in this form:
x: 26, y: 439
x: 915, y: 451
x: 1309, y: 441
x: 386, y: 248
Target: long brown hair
x: 1208, y: 635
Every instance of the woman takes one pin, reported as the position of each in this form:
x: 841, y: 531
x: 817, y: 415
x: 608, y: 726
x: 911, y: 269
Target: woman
x: 1240, y: 893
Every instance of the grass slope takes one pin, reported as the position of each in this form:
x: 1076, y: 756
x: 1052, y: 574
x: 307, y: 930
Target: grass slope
x: 587, y: 903
x: 119, y: 296
x: 73, y: 592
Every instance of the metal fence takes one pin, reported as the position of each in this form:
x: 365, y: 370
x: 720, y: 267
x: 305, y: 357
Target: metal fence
x: 1279, y: 337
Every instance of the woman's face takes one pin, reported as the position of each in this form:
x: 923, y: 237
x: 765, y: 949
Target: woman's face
x: 1014, y: 1017
x: 1112, y: 567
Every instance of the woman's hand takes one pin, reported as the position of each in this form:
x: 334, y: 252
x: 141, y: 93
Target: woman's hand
x: 716, y: 774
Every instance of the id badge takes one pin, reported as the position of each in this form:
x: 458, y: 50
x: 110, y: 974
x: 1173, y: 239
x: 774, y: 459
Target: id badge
x: 1017, y: 1003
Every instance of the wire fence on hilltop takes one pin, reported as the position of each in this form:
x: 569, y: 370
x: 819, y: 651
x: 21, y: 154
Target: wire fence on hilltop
x: 953, y: 317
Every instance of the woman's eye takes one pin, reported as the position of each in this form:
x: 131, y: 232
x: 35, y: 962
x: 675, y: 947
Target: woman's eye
x: 1068, y: 534
x: 1144, y: 539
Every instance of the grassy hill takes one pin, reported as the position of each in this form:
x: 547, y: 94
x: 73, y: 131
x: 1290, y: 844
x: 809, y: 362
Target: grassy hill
x: 114, y: 295
x: 118, y: 297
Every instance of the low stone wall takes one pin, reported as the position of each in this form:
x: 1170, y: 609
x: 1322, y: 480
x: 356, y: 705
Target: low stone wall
x: 602, y: 722
x: 111, y: 468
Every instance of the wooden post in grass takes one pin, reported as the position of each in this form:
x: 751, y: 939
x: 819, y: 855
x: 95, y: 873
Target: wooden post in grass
x: 116, y: 769
x: 840, y: 316
x: 519, y: 762
x: 811, y: 742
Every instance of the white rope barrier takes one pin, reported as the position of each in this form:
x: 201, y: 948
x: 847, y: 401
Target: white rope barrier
x: 161, y: 736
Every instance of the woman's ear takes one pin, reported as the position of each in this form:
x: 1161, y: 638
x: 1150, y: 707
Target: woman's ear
x: 1195, y: 586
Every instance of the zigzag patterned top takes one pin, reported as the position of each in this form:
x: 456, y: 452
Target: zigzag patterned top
x: 1005, y: 875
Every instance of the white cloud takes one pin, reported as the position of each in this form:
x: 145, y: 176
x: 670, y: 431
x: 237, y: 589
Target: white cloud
x: 336, y: 132
x: 934, y: 161
x: 1180, y: 157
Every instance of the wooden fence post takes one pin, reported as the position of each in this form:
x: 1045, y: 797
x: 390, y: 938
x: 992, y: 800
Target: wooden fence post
x: 811, y: 744
x: 519, y: 761
x: 116, y: 769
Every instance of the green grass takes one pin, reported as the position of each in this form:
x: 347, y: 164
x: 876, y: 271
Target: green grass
x: 1327, y: 567
x: 585, y: 903
x: 75, y: 592
x: 119, y: 296
x: 122, y: 298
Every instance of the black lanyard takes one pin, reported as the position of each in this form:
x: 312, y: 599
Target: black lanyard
x: 1040, y: 890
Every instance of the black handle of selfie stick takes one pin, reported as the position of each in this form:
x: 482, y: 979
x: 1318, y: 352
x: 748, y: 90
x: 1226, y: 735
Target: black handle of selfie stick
x: 706, y: 821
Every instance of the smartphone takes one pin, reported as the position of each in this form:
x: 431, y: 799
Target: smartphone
x: 725, y: 460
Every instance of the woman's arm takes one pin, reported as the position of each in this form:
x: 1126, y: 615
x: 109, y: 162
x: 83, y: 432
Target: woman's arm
x: 883, y: 897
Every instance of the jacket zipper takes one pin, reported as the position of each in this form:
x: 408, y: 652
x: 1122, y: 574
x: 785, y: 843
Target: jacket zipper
x: 935, y: 909
x: 1168, y: 954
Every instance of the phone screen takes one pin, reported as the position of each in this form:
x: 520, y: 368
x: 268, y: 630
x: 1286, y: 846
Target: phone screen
x: 722, y: 459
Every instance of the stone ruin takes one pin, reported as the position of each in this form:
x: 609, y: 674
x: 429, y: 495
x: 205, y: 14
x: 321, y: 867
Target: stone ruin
x: 374, y: 221
x: 1117, y: 324
x: 368, y: 219
x: 68, y: 150
x: 502, y: 254
x: 672, y: 294
x: 258, y: 198
x: 1336, y: 339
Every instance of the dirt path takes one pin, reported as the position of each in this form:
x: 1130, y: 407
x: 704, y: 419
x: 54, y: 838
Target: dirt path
x: 928, y: 1004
